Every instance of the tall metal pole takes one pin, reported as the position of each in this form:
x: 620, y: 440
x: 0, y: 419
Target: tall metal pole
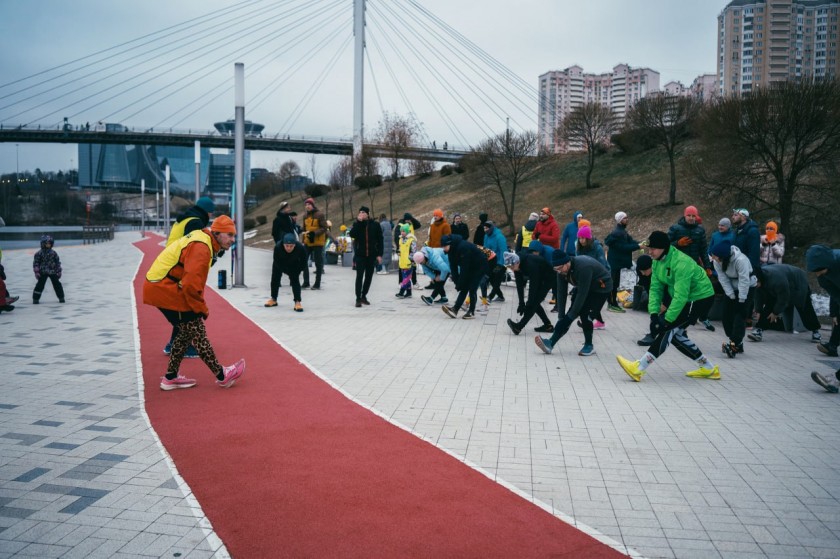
x: 359, y: 77
x: 142, y: 207
x: 239, y: 173
x: 157, y: 208
x: 197, y: 170
x: 166, y: 203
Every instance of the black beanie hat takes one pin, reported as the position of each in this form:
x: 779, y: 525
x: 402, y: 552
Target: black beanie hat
x: 659, y: 239
x: 644, y: 262
x: 446, y: 240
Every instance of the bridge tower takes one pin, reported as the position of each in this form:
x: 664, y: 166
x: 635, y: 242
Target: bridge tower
x: 359, y: 77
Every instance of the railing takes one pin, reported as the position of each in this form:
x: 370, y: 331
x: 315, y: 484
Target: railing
x: 97, y: 233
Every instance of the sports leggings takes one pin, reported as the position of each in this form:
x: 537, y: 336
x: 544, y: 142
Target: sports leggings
x: 190, y: 331
x: 676, y: 334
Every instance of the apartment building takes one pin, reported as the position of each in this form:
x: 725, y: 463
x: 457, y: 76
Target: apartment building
x: 562, y: 91
x: 761, y: 42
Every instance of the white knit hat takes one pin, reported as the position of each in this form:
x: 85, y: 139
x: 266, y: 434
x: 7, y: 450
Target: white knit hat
x: 619, y: 216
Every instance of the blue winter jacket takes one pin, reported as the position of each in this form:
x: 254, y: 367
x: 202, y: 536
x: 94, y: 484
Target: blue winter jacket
x: 543, y: 250
x: 569, y: 238
x: 436, y: 263
x: 495, y: 241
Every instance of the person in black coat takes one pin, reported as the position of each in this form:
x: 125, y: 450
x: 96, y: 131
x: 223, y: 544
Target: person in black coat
x: 368, y: 246
x: 459, y: 227
x: 289, y: 258
x: 779, y: 288
x: 283, y: 223
x: 468, y: 265
x: 540, y: 276
x: 478, y: 237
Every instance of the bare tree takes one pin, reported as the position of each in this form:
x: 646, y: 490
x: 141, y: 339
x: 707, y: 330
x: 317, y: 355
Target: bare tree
x: 667, y: 119
x: 287, y: 173
x: 367, y: 175
x: 779, y: 146
x: 589, y: 127
x: 507, y: 160
x: 395, y: 134
x: 341, y: 179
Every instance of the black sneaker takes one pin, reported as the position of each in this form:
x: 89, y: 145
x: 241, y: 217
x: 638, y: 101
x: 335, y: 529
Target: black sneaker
x: 315, y: 287
x: 468, y: 316
x: 513, y: 327
x: 828, y: 349
x: 646, y: 341
x: 358, y: 303
x: 365, y: 301
x: 730, y: 349
x: 709, y: 326
x: 442, y: 300
x: 400, y: 295
x: 426, y: 299
x: 452, y: 313
x: 545, y: 328
x: 822, y: 381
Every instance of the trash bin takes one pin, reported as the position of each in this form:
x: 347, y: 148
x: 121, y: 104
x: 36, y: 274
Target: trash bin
x: 222, y: 279
x: 331, y: 257
x: 347, y: 259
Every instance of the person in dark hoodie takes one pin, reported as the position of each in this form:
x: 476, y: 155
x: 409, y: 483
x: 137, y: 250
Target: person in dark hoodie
x: 569, y: 237
x: 459, y: 227
x: 532, y: 269
x: 779, y: 288
x: 478, y: 236
x: 747, y: 236
x: 593, y: 284
x: 468, y: 265
x: 526, y: 233
x: 621, y: 247
x: 290, y: 259
x: 283, y: 224
x: 367, y: 252
x: 824, y: 263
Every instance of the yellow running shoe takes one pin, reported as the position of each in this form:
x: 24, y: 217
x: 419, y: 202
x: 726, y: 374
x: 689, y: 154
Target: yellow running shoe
x: 631, y: 368
x: 703, y: 372
x: 271, y: 303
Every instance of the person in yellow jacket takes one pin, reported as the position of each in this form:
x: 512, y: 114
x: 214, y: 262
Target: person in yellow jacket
x: 314, y: 236
x: 407, y: 246
x: 175, y: 285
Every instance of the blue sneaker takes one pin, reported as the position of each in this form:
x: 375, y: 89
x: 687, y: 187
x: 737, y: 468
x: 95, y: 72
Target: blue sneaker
x: 587, y: 350
x: 167, y: 349
x: 544, y: 344
x: 191, y: 353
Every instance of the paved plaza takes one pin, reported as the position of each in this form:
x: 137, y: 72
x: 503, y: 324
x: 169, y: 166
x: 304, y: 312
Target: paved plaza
x: 748, y: 466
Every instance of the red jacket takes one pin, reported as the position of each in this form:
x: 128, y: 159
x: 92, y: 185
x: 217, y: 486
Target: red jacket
x: 548, y: 232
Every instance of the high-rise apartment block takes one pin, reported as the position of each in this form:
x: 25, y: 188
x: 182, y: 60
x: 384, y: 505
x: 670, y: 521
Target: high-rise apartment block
x: 563, y: 91
x: 761, y: 42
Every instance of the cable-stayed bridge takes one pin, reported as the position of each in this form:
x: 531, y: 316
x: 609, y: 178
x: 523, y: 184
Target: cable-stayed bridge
x: 297, y: 55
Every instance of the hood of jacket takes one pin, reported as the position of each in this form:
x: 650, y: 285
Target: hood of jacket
x: 530, y: 224
x: 820, y: 256
x: 575, y: 217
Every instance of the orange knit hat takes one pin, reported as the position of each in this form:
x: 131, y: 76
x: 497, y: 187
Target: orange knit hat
x: 223, y: 224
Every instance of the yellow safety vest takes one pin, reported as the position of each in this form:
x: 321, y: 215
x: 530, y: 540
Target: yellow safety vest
x: 177, y: 230
x: 171, y: 257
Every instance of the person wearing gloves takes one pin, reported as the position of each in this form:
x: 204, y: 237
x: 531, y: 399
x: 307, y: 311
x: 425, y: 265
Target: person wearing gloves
x: 569, y: 237
x: 435, y: 264
x: 736, y: 277
x: 175, y: 285
x: 468, y: 265
x: 690, y: 237
x: 692, y: 295
x: 824, y: 263
x: 772, y: 247
x: 46, y: 265
x: 593, y: 285
x: 494, y: 240
x: 540, y: 277
x: 289, y: 259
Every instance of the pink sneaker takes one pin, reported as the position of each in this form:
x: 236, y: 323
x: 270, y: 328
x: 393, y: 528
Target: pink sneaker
x: 177, y: 382
x: 232, y: 373
x: 598, y: 325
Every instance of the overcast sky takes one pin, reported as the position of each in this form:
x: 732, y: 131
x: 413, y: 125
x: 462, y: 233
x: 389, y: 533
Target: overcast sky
x: 528, y: 37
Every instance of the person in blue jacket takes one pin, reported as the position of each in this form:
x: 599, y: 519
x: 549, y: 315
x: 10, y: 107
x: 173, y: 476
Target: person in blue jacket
x: 495, y: 240
x: 724, y: 233
x: 435, y: 264
x: 569, y: 237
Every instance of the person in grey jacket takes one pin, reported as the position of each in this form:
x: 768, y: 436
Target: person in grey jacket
x: 781, y: 287
x: 387, y: 246
x: 736, y: 277
x: 824, y: 262
x: 593, y: 283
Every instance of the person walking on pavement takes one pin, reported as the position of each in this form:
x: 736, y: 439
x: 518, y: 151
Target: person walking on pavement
x: 46, y: 265
x: 738, y: 281
x: 532, y: 269
x: 367, y: 252
x: 593, y: 285
x: 175, y: 284
x: 780, y: 288
x: 289, y: 259
x: 824, y: 263
x: 468, y: 265
x: 459, y: 227
x: 314, y: 239
x: 674, y: 273
x: 621, y: 248
x: 435, y: 264
x: 569, y: 238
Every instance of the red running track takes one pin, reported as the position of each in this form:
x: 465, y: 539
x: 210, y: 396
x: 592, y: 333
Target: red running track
x: 285, y: 465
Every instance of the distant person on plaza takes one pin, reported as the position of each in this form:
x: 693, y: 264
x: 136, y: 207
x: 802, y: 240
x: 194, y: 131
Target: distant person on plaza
x: 547, y: 231
x: 495, y: 240
x: 621, y: 248
x: 737, y: 279
x: 283, y: 224
x: 526, y: 233
x: 569, y: 238
x: 689, y: 236
x: 437, y: 229
x: 478, y: 236
x: 532, y: 269
x: 677, y: 274
x: 772, y: 247
x: 747, y: 238
x: 415, y: 226
x: 435, y: 265
x: 724, y: 232
x: 468, y: 265
x: 314, y: 239
x: 780, y: 288
x: 289, y: 259
x: 824, y: 263
x: 588, y: 246
x: 6, y: 299
x: 459, y: 227
x: 387, y: 247
x: 47, y: 266
x: 175, y: 284
x: 194, y: 218
x: 592, y: 284
x: 367, y: 252
x: 406, y: 249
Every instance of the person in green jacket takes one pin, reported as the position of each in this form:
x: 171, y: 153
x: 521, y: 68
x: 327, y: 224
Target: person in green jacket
x: 692, y: 296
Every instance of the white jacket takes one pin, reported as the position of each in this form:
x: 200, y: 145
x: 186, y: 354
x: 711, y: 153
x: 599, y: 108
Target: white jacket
x: 740, y: 271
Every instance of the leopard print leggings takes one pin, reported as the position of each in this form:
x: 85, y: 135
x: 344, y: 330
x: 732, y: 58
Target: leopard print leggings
x: 193, y: 332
